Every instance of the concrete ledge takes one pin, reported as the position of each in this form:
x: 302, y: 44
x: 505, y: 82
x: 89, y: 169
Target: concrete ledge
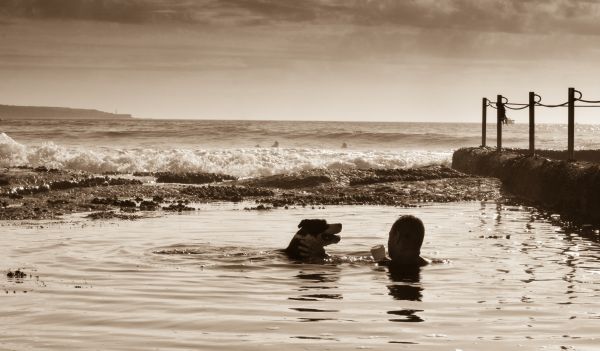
x: 570, y: 188
x: 580, y: 155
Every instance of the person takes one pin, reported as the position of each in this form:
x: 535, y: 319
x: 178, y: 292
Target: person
x: 404, y: 243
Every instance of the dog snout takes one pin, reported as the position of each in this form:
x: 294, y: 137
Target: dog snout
x: 333, y: 228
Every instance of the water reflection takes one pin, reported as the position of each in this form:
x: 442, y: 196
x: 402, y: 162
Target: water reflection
x: 404, y: 274
x: 407, y: 316
x: 318, y: 281
x: 498, y: 216
x: 406, y: 292
x: 321, y: 277
x: 314, y: 288
x: 406, y: 286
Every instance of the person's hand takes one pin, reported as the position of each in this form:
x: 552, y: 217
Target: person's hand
x: 311, y: 246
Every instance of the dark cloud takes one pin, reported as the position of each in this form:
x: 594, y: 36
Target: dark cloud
x: 125, y: 11
x: 137, y: 11
x: 277, y: 10
x: 571, y: 16
x: 510, y: 16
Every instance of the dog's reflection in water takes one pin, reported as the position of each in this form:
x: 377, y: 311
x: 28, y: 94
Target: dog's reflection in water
x: 318, y: 291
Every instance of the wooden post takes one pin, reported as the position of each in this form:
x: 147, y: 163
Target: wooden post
x: 531, y: 123
x: 500, y: 116
x: 571, y: 127
x: 483, y: 121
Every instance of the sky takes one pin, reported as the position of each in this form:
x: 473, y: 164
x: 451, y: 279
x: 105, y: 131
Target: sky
x: 355, y: 60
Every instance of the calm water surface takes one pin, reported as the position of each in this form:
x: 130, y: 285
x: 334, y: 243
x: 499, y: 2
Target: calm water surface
x: 213, y: 280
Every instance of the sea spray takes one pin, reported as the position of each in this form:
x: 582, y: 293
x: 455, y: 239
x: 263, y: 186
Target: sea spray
x: 239, y: 162
x: 11, y: 152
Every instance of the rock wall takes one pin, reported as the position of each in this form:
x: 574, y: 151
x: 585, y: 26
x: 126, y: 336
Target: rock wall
x: 570, y: 188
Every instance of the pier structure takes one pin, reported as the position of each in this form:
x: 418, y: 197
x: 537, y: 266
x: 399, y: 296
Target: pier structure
x: 502, y: 103
x: 553, y: 179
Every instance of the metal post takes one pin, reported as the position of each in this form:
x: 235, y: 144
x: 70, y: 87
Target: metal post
x: 531, y: 123
x: 571, y: 127
x: 499, y: 119
x: 483, y: 121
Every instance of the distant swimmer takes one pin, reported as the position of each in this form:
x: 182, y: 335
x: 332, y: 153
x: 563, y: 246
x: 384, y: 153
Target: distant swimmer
x: 257, y: 145
x: 344, y: 146
x: 275, y: 144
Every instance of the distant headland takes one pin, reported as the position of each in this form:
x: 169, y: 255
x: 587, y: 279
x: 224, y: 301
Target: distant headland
x: 44, y: 112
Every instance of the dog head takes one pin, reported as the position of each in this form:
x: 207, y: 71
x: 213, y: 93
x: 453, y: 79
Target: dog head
x: 312, y: 237
x: 322, y: 231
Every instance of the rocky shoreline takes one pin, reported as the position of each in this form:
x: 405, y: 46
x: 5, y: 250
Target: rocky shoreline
x: 40, y: 193
x: 568, y: 188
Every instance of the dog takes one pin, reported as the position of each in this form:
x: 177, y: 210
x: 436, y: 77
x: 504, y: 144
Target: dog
x: 309, y: 242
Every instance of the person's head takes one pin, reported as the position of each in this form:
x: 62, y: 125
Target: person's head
x: 405, y: 238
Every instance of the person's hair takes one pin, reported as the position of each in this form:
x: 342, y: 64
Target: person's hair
x: 408, y: 228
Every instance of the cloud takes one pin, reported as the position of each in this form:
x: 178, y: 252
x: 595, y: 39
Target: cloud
x: 570, y: 16
x: 100, y: 10
x: 266, y: 34
x: 294, y: 54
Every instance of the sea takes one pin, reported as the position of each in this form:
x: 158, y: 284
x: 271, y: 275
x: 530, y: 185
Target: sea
x: 504, y: 275
x: 254, y: 148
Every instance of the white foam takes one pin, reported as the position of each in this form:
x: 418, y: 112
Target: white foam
x: 11, y: 152
x: 240, y: 162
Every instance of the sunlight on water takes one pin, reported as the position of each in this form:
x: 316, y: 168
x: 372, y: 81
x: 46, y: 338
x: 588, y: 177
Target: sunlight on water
x: 213, y: 279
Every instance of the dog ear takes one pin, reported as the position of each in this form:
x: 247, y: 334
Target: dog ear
x: 302, y: 223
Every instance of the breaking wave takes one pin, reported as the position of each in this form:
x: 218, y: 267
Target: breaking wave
x: 240, y: 162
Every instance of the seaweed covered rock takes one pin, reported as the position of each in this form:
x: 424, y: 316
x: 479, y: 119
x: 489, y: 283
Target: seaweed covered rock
x: 111, y: 215
x: 91, y: 182
x: 17, y: 274
x: 179, y: 206
x: 113, y: 202
x: 192, y: 178
x: 306, y: 179
x: 4, y: 180
x: 406, y: 174
x: 149, y: 206
x: 224, y: 193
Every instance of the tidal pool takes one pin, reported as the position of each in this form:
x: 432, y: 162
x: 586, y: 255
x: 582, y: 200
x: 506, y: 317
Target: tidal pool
x: 214, y: 280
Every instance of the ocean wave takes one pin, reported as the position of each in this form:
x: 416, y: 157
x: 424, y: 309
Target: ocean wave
x: 239, y: 162
x: 217, y: 134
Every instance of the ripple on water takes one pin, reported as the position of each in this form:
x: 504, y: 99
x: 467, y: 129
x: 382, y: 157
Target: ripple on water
x: 501, y: 276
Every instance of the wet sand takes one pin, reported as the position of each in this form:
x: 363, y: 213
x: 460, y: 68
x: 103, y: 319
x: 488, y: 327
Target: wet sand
x: 27, y: 193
